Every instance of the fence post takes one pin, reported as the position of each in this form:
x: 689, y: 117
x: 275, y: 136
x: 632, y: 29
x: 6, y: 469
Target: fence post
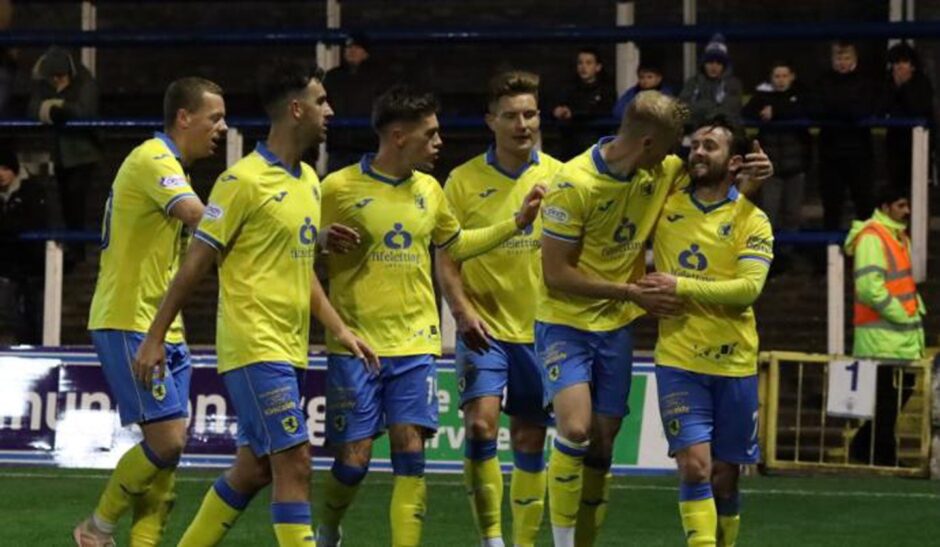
x: 628, y: 56
x: 52, y: 301
x: 234, y: 146
x: 920, y: 165
x: 328, y: 57
x: 89, y: 22
x: 689, y: 61
x: 836, y: 300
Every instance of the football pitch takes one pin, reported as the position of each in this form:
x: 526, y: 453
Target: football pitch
x: 39, y: 506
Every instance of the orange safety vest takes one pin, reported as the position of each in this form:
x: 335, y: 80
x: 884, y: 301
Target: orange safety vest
x: 899, y: 278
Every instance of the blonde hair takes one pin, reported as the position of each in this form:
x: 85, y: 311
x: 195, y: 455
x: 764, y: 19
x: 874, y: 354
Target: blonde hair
x: 654, y: 112
x: 510, y: 84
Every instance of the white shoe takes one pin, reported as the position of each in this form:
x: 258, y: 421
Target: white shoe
x: 86, y: 534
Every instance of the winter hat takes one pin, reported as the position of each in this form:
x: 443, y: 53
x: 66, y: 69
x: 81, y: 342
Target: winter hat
x: 716, y: 51
x: 56, y: 62
x: 9, y: 160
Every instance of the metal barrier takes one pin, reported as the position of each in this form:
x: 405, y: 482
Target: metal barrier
x: 799, y: 435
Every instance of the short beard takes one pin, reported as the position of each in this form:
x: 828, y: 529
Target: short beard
x: 711, y: 178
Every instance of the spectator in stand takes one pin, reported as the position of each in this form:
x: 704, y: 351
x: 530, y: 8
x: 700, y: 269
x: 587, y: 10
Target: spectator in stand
x: 714, y: 91
x: 782, y: 98
x: 22, y: 209
x: 908, y: 93
x: 352, y: 88
x: 845, y: 151
x: 649, y: 75
x: 589, y: 98
x: 65, y: 90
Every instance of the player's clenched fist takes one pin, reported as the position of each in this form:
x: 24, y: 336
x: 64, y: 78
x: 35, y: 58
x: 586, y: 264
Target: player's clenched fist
x: 530, y: 206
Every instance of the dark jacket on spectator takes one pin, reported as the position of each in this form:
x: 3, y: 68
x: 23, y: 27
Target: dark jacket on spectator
x: 588, y: 101
x: 913, y: 99
x: 22, y: 209
x: 787, y: 147
x: 351, y: 92
x: 845, y: 98
x: 709, y: 97
x: 73, y: 147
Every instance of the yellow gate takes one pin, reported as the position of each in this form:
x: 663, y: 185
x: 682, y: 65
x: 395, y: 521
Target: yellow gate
x: 797, y: 433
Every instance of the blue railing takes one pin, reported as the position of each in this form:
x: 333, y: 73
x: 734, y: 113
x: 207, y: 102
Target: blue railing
x: 475, y: 35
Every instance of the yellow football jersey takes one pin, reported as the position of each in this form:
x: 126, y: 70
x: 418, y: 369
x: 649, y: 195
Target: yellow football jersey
x: 141, y: 243
x: 503, y: 283
x: 611, y: 218
x: 706, y: 242
x: 263, y: 218
x: 383, y: 288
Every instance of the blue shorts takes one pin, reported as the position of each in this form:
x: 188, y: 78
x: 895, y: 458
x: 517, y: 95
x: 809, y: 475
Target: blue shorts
x: 704, y: 408
x: 269, y: 406
x: 167, y: 399
x: 570, y: 356
x: 507, y: 367
x: 360, y: 405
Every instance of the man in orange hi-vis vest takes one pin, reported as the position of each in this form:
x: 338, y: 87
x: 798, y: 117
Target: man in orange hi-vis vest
x: 887, y: 317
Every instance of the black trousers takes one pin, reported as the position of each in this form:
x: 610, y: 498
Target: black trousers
x: 886, y: 417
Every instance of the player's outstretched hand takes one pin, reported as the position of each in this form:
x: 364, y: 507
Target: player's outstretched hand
x: 150, y: 361
x: 473, y: 331
x: 530, y: 206
x: 337, y: 238
x: 360, y: 349
x: 756, y: 168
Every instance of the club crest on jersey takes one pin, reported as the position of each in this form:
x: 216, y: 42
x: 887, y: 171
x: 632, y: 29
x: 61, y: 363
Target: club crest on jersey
x: 693, y: 259
x: 625, y: 231
x: 290, y: 424
x: 420, y: 203
x: 213, y: 211
x: 308, y: 232
x: 398, y: 237
x: 647, y: 189
x: 316, y: 193
x: 173, y: 181
x: 725, y: 229
x: 158, y: 391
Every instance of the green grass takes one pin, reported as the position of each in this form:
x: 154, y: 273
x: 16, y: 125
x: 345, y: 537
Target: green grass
x: 39, y: 506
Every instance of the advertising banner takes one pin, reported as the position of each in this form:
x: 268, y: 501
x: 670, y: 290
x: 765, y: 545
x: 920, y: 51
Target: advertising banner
x: 56, y: 409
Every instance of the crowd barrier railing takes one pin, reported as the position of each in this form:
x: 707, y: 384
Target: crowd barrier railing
x: 839, y: 413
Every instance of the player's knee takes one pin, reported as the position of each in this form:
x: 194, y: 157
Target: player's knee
x: 576, y: 433
x: 168, y: 449
x: 694, y: 469
x: 481, y: 428
x: 725, y: 479
x: 292, y: 465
